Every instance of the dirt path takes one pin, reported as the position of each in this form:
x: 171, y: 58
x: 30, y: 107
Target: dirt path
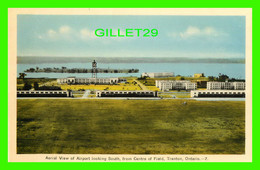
x: 142, y: 86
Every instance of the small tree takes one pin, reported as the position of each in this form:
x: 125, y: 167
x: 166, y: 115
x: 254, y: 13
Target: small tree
x: 22, y: 75
x: 36, y: 85
x: 211, y: 78
x: 222, y: 77
x: 27, y: 86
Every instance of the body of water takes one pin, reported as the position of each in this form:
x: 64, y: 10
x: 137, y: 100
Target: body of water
x: 183, y: 69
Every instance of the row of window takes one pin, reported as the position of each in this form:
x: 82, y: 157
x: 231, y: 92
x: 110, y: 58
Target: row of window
x: 226, y: 88
x: 88, y: 81
x: 45, y: 92
x: 220, y: 93
x: 126, y: 92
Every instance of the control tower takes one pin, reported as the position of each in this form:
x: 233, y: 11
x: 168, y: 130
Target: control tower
x: 94, y: 69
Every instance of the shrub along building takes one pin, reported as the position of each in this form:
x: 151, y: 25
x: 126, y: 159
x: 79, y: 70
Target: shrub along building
x: 166, y: 85
x: 74, y: 80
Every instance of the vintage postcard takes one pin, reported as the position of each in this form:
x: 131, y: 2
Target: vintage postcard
x: 130, y: 85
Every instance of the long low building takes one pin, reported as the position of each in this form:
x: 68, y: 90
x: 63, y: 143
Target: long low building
x: 214, y: 85
x: 43, y: 93
x: 74, y: 80
x: 166, y: 85
x: 140, y: 93
x: 158, y: 75
x: 218, y: 93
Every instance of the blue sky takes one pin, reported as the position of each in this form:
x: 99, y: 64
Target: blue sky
x: 179, y: 36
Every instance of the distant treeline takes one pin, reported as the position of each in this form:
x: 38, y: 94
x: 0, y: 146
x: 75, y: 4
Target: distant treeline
x: 37, y: 60
x: 79, y: 70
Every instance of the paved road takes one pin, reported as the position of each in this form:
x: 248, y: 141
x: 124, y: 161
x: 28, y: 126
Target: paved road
x: 139, y: 98
x: 172, y: 92
x: 85, y: 95
x: 93, y: 98
x: 219, y: 99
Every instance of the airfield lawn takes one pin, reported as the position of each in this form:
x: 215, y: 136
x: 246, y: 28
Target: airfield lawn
x: 130, y: 126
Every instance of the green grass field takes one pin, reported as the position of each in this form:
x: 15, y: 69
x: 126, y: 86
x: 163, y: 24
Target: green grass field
x: 31, y: 81
x: 151, y: 81
x: 130, y: 126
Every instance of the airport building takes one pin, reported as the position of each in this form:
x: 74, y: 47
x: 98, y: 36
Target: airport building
x: 105, y: 93
x: 74, y: 80
x: 218, y: 93
x: 43, y: 93
x: 166, y: 85
x: 212, y: 85
x: 158, y: 75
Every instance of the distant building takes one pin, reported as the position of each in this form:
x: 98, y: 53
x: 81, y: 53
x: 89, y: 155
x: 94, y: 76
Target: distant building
x: 158, y: 75
x: 239, y: 85
x: 104, y: 93
x: 122, y: 80
x: 213, y: 85
x: 218, y: 93
x: 74, y: 80
x: 166, y: 85
x: 198, y: 75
